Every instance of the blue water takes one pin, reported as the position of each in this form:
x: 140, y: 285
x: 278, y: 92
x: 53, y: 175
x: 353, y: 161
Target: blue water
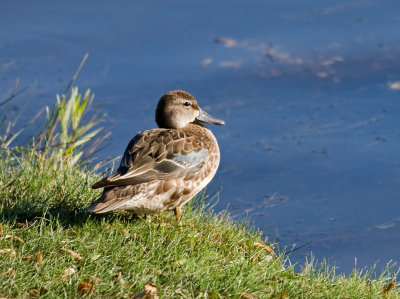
x: 310, y: 91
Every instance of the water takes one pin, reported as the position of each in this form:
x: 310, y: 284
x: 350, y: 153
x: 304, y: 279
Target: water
x: 309, y: 91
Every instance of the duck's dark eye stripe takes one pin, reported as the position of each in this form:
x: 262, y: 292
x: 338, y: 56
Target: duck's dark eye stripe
x: 187, y: 104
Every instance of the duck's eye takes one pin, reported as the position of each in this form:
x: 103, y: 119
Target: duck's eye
x: 187, y: 104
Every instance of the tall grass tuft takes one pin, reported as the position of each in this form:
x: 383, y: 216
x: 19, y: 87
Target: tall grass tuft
x: 70, y: 129
x: 36, y: 177
x: 66, y: 132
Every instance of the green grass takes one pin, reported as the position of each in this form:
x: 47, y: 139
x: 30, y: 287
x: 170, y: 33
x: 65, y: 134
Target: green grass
x: 43, y: 209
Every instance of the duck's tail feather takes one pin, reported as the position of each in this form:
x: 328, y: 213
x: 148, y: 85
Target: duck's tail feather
x: 108, y: 201
x: 107, y: 181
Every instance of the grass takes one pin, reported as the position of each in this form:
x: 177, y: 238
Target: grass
x: 51, y: 247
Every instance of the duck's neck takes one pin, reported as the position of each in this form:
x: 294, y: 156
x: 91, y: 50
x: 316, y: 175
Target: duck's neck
x: 198, y: 130
x: 195, y: 127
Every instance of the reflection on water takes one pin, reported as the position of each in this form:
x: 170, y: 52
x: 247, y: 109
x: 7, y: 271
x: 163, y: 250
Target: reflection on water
x: 310, y: 93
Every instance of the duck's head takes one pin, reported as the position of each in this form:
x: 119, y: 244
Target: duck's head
x: 178, y: 108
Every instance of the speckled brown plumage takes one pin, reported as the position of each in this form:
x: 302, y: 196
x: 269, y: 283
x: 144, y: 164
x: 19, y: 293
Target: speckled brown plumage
x: 164, y: 168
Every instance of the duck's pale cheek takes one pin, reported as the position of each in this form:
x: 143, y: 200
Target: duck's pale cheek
x: 182, y: 121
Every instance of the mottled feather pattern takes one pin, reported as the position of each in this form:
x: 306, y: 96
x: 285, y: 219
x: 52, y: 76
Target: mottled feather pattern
x: 152, y: 155
x: 164, y: 194
x: 163, y: 168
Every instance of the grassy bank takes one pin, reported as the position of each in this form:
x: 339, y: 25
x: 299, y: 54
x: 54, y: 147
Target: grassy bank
x: 50, y: 246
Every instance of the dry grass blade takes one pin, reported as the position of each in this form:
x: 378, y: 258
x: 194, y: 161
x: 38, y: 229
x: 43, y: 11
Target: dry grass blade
x: 246, y: 296
x: 15, y: 238
x: 26, y: 257
x: 7, y: 250
x: 37, y: 292
x: 33, y: 293
x: 73, y: 254
x: 84, y: 288
x: 39, y: 258
x: 283, y: 295
x: 263, y: 245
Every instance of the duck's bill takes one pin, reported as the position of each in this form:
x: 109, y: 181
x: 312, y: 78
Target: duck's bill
x: 207, y: 118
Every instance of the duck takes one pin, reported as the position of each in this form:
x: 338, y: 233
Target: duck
x: 163, y: 168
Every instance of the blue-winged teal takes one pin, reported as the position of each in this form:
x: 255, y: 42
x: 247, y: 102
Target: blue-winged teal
x: 164, y: 168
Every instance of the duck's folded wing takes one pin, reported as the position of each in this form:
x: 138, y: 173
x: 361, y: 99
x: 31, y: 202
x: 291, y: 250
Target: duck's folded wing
x: 158, y: 154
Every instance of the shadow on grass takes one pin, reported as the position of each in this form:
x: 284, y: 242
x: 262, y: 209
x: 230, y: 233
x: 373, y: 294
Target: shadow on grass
x: 66, y: 215
x: 25, y: 212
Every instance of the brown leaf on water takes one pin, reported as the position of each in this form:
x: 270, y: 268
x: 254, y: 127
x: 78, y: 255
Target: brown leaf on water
x: 84, y: 288
x: 73, y: 254
x: 263, y: 245
x: 387, y: 288
x: 150, y: 292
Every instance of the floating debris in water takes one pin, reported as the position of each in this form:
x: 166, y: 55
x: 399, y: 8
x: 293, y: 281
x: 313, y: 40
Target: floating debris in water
x: 233, y: 64
x: 384, y: 226
x: 206, y: 62
x: 394, y: 85
x: 322, y: 75
x: 226, y: 41
x: 270, y: 53
x: 331, y: 61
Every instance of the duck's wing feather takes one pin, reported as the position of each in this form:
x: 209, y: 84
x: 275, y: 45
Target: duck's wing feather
x: 158, y: 154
